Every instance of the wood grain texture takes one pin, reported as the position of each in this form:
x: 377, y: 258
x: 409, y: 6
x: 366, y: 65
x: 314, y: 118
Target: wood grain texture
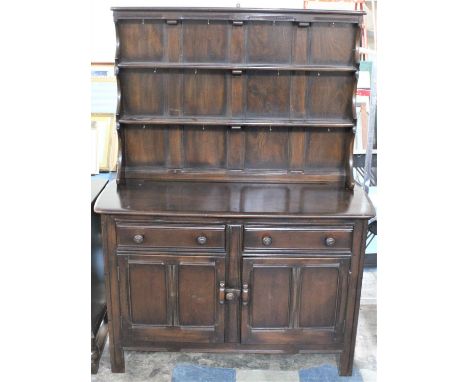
x: 205, y: 41
x: 266, y: 149
x: 205, y: 148
x: 141, y: 39
x: 318, y: 297
x: 197, y: 302
x: 269, y: 42
x: 144, y: 280
x: 270, y: 297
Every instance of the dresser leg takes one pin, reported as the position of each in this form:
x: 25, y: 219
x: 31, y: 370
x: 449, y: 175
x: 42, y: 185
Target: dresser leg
x: 117, y: 361
x: 346, y: 364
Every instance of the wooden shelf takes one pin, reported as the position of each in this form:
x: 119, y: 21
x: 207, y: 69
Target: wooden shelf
x: 276, y: 122
x: 234, y: 66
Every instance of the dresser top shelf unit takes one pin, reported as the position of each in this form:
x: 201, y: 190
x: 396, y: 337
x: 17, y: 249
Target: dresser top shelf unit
x: 228, y: 94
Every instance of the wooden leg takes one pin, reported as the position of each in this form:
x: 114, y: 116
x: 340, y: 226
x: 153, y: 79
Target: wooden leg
x: 117, y: 358
x: 346, y: 364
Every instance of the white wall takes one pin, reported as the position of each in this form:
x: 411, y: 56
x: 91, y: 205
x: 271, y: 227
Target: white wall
x: 102, y: 25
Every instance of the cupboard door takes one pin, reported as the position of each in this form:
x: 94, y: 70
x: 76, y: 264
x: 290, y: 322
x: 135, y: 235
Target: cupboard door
x: 294, y: 300
x: 171, y: 298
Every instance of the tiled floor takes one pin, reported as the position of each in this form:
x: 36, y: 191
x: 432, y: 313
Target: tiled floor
x: 146, y: 366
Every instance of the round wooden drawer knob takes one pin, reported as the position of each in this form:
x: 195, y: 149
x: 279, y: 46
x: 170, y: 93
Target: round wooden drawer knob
x: 138, y: 239
x: 201, y: 240
x: 330, y: 242
x: 267, y: 240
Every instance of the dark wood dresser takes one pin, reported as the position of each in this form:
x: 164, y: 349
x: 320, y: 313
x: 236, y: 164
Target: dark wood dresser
x: 234, y: 224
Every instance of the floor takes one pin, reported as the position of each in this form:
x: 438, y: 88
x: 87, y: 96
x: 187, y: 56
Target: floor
x: 146, y: 366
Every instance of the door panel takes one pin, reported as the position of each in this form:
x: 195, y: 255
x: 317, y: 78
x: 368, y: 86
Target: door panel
x: 294, y: 300
x: 171, y: 298
x: 270, y: 297
x: 142, y: 280
x: 196, y: 294
x: 318, y: 297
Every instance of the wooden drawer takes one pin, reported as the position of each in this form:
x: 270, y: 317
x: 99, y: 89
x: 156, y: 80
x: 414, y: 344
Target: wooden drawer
x: 263, y: 238
x: 172, y: 237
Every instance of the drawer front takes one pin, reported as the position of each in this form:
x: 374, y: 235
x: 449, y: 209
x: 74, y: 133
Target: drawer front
x: 258, y: 238
x: 172, y: 237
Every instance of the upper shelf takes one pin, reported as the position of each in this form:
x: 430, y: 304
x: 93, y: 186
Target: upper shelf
x: 233, y: 66
x: 251, y: 42
x: 274, y: 122
x: 249, y: 11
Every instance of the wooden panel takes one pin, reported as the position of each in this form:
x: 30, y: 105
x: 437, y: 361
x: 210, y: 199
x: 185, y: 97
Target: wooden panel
x: 174, y: 53
x: 333, y: 43
x: 233, y: 279
x: 177, y: 237
x: 326, y: 149
x: 175, y: 157
x: 205, y: 147
x: 331, y: 96
x: 268, y: 94
x: 142, y: 91
x: 237, y: 96
x: 173, y: 93
x: 236, y: 149
x: 292, y: 292
x: 270, y: 297
x: 237, y: 53
x: 266, y: 148
x: 176, y: 298
x: 299, y: 94
x: 298, y: 238
x: 205, y: 93
x: 144, y: 146
x: 300, y: 46
x: 269, y: 42
x: 141, y: 40
x: 148, y: 294
x: 297, y: 148
x: 197, y: 300
x: 205, y: 41
x: 318, y: 297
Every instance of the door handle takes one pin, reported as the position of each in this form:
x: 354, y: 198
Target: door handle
x: 245, y: 294
x: 222, y: 290
x: 227, y: 294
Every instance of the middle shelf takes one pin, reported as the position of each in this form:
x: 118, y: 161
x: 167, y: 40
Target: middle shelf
x: 245, y: 94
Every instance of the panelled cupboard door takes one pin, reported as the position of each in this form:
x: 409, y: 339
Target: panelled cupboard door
x: 171, y: 298
x: 294, y: 301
